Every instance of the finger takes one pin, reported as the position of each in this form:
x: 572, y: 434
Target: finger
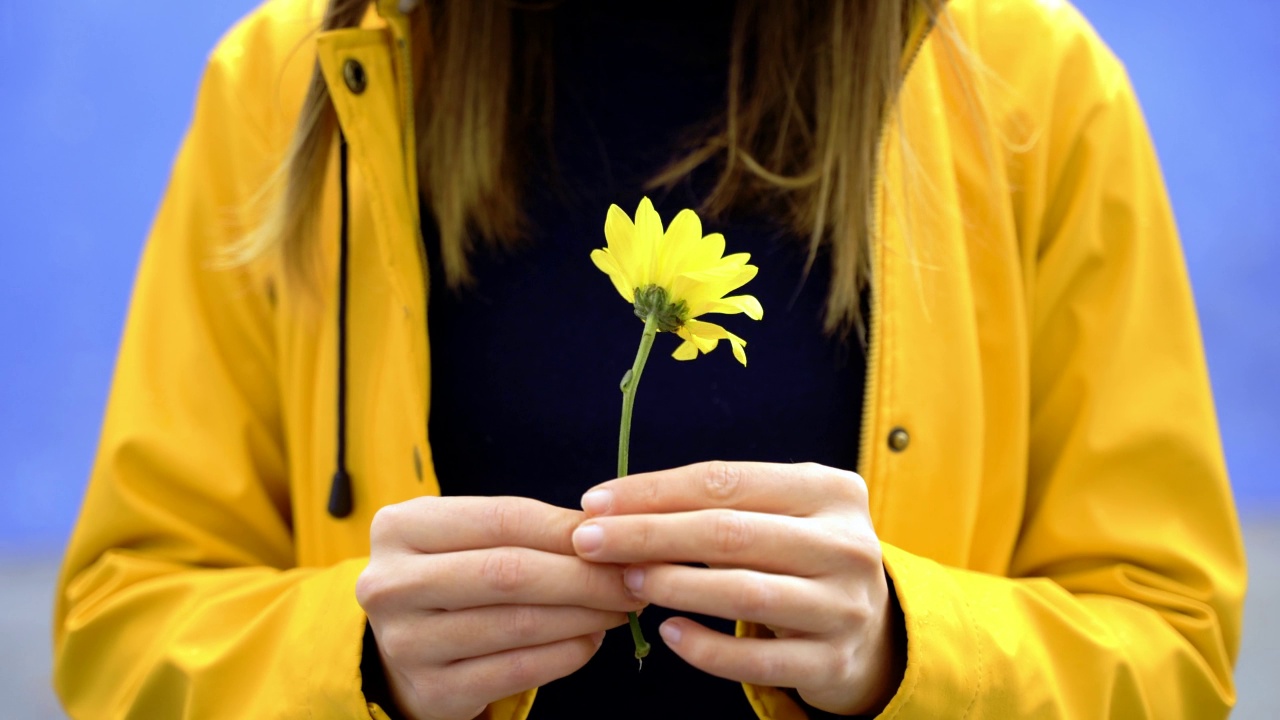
x: 779, y: 601
x: 800, y: 490
x: 761, y: 541
x: 474, y: 683
x: 773, y: 662
x: 446, y: 524
x: 440, y: 638
x: 513, y: 576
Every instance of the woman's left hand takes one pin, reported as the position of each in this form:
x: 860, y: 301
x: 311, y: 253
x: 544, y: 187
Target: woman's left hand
x: 790, y: 547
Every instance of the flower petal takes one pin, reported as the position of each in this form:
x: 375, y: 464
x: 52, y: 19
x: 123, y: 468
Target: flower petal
x: 679, y: 241
x: 737, y: 344
x: 690, y: 267
x: 648, y: 239
x: 704, y: 344
x: 706, y: 329
x: 722, y: 272
x: 703, y: 334
x: 731, y: 306
x: 608, y: 264
x: 699, y: 288
x: 707, y: 251
x: 619, y: 233
x: 699, y: 343
x: 686, y: 351
x: 685, y: 229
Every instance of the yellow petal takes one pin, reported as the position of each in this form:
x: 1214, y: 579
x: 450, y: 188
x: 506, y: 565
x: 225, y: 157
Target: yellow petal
x: 678, y: 242
x: 699, y: 288
x: 686, y: 351
x: 687, y: 264
x: 705, y: 329
x: 731, y: 306
x: 737, y: 344
x: 605, y: 260
x: 619, y: 233
x: 703, y: 334
x: 700, y: 343
x: 745, y: 274
x: 648, y: 239
x: 685, y: 228
x: 707, y: 251
x: 722, y: 273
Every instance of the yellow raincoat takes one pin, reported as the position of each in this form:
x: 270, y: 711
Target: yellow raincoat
x: 1039, y: 438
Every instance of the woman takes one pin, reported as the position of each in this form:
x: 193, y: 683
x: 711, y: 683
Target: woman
x: 976, y: 300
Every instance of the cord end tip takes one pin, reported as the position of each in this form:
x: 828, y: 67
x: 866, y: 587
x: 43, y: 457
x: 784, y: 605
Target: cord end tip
x: 340, y: 495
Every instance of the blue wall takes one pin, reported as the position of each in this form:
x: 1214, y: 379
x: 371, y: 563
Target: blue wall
x: 95, y: 97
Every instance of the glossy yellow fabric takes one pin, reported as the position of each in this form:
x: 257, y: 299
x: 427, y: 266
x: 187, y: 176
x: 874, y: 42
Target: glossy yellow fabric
x: 1059, y: 530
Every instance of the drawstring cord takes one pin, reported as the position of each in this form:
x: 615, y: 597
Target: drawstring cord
x: 340, y: 500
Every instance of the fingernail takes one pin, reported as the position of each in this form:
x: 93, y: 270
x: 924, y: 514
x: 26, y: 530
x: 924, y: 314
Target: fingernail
x: 588, y: 538
x: 633, y: 578
x: 597, y: 637
x: 670, y: 633
x: 597, y: 502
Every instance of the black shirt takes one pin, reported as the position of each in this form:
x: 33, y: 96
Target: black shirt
x: 525, y: 364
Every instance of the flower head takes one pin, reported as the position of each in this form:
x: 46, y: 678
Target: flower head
x: 677, y: 275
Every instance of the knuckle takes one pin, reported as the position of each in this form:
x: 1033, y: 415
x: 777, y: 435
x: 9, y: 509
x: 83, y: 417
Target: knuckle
x: 371, y: 589
x: 503, y: 571
x: 860, y: 554
x: 733, y: 533
x: 764, y: 667
x: 521, y: 623
x: 393, y: 643
x: 502, y: 519
x: 644, y: 538
x: 850, y: 485
x: 721, y: 480
x: 839, y: 665
x: 383, y: 528
x: 855, y: 610
x: 756, y: 599
x: 521, y: 671
x: 650, y: 493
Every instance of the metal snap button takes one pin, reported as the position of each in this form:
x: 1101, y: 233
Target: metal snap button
x: 354, y: 75
x: 898, y: 439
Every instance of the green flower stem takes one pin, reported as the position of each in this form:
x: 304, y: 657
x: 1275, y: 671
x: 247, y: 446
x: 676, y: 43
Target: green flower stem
x: 630, y: 382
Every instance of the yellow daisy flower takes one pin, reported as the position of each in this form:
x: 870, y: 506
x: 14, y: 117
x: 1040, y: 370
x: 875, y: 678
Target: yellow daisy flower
x: 678, y: 275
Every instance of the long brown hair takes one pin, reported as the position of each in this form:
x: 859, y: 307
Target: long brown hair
x: 809, y: 85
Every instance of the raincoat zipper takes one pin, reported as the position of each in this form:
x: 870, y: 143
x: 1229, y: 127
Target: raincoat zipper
x: 877, y: 277
x: 396, y: 14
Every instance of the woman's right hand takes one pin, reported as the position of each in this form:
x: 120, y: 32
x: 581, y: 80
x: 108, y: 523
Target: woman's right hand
x: 473, y: 599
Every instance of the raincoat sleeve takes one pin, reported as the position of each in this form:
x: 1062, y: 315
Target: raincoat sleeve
x: 179, y: 595
x: 1126, y: 586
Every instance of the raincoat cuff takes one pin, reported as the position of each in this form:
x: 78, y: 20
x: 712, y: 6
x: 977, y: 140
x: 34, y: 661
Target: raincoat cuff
x: 944, y: 657
x: 338, y: 633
